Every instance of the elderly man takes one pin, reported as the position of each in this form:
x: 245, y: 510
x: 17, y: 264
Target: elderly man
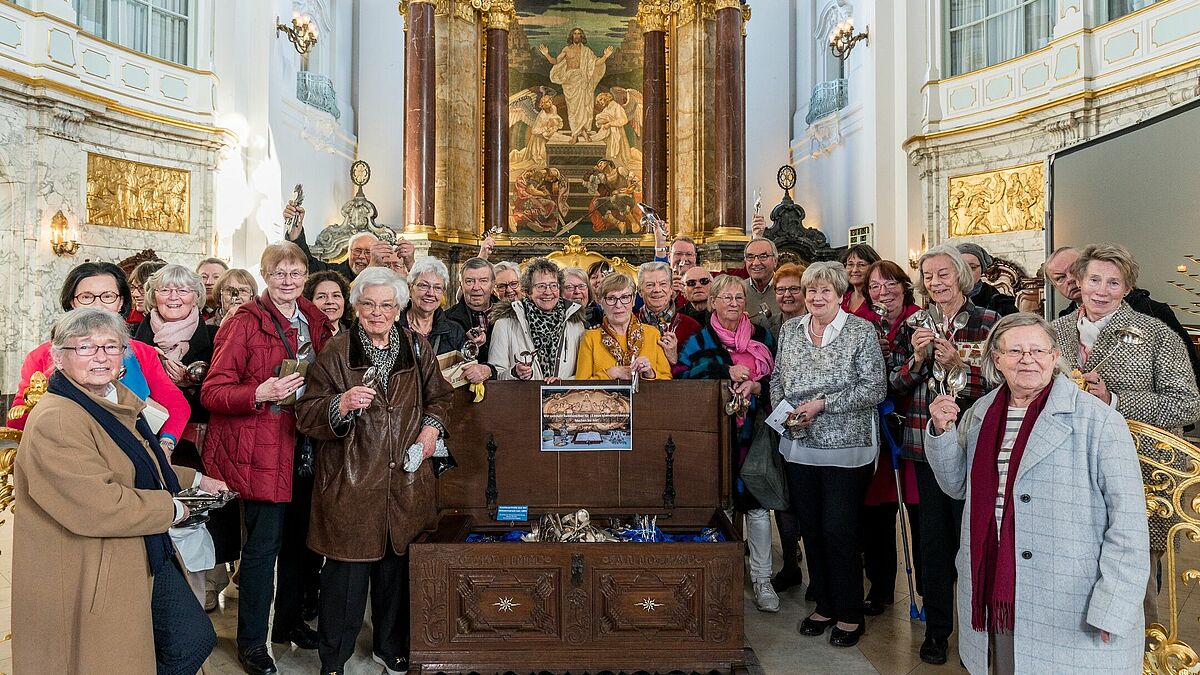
x: 476, y: 281
x: 360, y: 245
x: 761, y: 258
x: 654, y: 285
x: 1058, y: 272
x: 696, y: 282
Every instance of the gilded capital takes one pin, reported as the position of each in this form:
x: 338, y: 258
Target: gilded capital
x: 655, y: 15
x: 497, y: 14
x: 403, y: 5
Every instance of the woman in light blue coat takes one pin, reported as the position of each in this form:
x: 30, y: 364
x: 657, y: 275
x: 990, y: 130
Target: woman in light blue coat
x: 1053, y: 566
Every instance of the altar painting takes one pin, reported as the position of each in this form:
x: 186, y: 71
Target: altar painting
x: 575, y: 119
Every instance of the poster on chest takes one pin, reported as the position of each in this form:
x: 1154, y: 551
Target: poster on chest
x: 587, y: 418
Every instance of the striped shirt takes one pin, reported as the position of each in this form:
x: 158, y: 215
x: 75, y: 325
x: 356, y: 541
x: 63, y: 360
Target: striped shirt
x: 1012, y: 426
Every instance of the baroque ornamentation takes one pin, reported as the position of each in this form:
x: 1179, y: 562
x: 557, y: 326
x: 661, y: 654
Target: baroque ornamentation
x: 655, y: 15
x: 432, y: 585
x: 137, y: 196
x: 497, y: 14
x: 1005, y: 200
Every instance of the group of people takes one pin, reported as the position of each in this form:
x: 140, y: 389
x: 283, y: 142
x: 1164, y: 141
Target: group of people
x: 319, y: 400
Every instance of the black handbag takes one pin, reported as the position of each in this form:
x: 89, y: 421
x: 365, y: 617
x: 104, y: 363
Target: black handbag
x: 763, y: 473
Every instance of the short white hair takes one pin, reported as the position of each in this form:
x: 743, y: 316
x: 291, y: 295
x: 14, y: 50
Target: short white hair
x: 650, y: 267
x: 505, y: 265
x: 429, y: 265
x: 827, y: 271
x: 172, y: 275
x: 965, y: 281
x: 84, y: 321
x: 576, y: 272
x: 360, y: 235
x: 379, y: 276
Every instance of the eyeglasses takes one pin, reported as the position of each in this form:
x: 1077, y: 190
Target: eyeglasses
x: 614, y: 300
x: 761, y: 257
x: 732, y: 299
x: 180, y: 292
x: 425, y: 287
x: 367, y: 307
x: 235, y: 293
x: 508, y: 286
x: 572, y: 288
x: 360, y: 251
x: 542, y: 288
x: 789, y: 290
x: 885, y: 286
x: 90, y: 350
x: 703, y: 281
x: 107, y: 297
x: 1016, y: 354
x: 294, y: 275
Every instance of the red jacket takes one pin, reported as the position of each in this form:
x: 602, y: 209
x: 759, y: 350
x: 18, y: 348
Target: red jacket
x: 252, y: 447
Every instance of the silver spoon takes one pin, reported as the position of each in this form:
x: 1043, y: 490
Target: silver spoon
x: 305, y: 352
x: 939, y: 376
x: 1127, y: 336
x: 956, y: 381
x: 370, y: 379
x: 960, y: 322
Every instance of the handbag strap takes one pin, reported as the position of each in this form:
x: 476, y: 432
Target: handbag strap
x: 278, y: 329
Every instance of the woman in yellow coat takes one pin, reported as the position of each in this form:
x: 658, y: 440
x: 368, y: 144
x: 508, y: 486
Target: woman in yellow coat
x: 621, y: 344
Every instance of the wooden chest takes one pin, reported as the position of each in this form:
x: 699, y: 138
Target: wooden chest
x: 520, y: 606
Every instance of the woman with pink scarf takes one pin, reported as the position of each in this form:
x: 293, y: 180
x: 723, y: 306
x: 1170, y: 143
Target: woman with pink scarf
x: 731, y: 348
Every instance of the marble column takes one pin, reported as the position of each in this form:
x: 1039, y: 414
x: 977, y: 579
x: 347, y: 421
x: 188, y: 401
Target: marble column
x: 498, y: 18
x: 730, y: 193
x: 420, y: 107
x: 653, y: 15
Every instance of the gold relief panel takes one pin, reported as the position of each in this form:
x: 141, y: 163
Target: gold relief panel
x: 1005, y: 200
x: 137, y: 196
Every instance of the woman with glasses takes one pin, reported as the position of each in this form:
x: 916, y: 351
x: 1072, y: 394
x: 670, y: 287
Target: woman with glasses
x: 621, y: 345
x: 856, y: 260
x: 731, y: 348
x: 1055, y: 533
x: 577, y: 289
x: 789, y: 294
x: 830, y: 372
x: 329, y: 291
x: 137, y: 280
x: 234, y: 289
x: 537, y: 337
x: 508, y: 281
x: 372, y: 502
x: 427, y: 282
x: 252, y: 444
x: 103, y: 286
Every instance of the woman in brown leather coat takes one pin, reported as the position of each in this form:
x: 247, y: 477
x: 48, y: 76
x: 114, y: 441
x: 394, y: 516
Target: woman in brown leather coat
x: 375, y: 392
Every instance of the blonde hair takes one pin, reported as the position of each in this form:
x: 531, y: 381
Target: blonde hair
x: 1111, y: 253
x: 281, y: 252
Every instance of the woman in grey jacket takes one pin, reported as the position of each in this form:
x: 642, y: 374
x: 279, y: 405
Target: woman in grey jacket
x: 1053, y: 564
x: 830, y: 369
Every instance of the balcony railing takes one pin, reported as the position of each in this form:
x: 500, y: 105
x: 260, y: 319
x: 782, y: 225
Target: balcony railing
x: 827, y: 98
x: 317, y: 91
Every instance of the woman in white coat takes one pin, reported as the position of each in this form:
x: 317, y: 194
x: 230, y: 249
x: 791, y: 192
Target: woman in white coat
x: 536, y: 337
x: 1053, y: 567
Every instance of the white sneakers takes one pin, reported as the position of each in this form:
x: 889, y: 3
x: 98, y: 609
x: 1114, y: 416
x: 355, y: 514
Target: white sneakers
x: 765, y: 598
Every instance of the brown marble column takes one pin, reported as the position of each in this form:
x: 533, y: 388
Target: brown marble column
x: 654, y: 18
x: 420, y: 106
x: 498, y: 17
x: 730, y: 112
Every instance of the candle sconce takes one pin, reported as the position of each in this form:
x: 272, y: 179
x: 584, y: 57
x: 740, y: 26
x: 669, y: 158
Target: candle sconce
x: 842, y: 38
x: 302, y: 33
x: 62, y: 238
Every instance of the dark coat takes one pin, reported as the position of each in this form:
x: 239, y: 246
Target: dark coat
x: 252, y: 447
x: 446, y: 336
x: 200, y: 348
x: 315, y: 264
x: 990, y: 298
x: 362, y: 495
x: 467, y: 318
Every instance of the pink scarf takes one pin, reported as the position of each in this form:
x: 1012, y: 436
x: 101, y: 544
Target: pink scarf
x: 172, y: 336
x: 744, y: 350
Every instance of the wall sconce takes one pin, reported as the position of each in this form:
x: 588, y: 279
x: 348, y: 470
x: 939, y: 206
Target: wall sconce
x: 302, y: 33
x: 914, y: 256
x: 62, y: 238
x: 842, y: 38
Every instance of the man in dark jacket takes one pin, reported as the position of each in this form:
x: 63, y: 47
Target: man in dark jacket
x: 363, y: 246
x: 985, y: 295
x: 476, y: 281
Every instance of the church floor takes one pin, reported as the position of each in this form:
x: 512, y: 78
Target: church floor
x: 890, y: 646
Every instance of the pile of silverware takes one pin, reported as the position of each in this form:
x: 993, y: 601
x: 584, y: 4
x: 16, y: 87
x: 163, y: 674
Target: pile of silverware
x: 943, y: 381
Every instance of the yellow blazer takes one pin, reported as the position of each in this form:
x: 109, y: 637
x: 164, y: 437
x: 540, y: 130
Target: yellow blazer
x: 594, y: 359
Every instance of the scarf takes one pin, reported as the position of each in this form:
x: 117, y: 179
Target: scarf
x: 172, y: 336
x: 994, y: 555
x: 546, y: 330
x: 149, y: 472
x: 1089, y: 332
x: 383, y: 358
x: 744, y: 350
x: 664, y: 321
x: 624, y: 355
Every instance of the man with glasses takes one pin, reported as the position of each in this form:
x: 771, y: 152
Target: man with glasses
x: 361, y: 247
x: 761, y: 257
x: 696, y: 282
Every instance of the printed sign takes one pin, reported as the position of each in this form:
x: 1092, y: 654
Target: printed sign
x: 587, y: 417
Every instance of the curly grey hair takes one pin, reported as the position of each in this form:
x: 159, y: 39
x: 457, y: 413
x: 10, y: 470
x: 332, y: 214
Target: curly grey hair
x: 84, y: 321
x: 991, y: 347
x: 827, y: 271
x: 540, y: 266
x: 379, y: 276
x: 965, y: 281
x: 176, y: 276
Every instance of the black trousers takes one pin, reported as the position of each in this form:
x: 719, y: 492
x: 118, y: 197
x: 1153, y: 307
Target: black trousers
x: 299, y: 568
x: 941, y: 520
x: 789, y: 539
x: 183, y: 635
x: 879, y: 548
x: 827, y: 501
x: 344, y: 588
x: 256, y: 585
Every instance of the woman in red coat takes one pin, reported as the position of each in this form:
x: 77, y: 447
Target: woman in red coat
x: 251, y: 438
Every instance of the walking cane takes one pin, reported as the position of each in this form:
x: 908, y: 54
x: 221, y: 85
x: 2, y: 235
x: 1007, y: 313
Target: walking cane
x: 886, y: 408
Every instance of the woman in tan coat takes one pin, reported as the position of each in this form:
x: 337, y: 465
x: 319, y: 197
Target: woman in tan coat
x: 97, y: 587
x: 375, y: 393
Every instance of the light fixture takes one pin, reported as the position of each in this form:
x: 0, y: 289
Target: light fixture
x: 842, y: 38
x: 62, y: 239
x: 302, y: 33
x: 914, y: 256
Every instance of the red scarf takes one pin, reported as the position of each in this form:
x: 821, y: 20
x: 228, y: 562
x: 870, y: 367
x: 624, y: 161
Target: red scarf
x: 994, y: 557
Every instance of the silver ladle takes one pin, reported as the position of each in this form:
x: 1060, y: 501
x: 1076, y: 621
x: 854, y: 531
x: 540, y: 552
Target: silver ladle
x: 1127, y: 336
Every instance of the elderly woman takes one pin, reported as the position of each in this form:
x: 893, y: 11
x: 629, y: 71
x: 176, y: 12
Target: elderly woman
x: 252, y: 444
x: 621, y: 344
x: 731, y: 348
x: 830, y: 371
x: 659, y: 310
x: 1148, y: 381
x: 374, y: 393
x: 508, y: 281
x: 856, y: 260
x: 1056, y: 526
x: 328, y: 290
x: 96, y: 584
x: 427, y: 282
x: 137, y: 280
x: 210, y: 270
x: 577, y: 289
x: 536, y: 337
x: 234, y: 289
x: 102, y: 285
x: 889, y: 287
x: 945, y: 281
x: 789, y: 295
x: 175, y: 326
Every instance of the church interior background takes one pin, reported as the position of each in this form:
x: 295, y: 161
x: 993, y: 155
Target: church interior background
x: 181, y: 127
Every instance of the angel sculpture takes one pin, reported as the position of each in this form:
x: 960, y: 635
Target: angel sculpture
x: 535, y: 109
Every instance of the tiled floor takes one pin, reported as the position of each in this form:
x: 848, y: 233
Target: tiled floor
x: 890, y: 646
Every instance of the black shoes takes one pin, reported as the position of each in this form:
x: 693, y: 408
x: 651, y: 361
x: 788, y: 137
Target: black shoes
x: 257, y: 661
x: 874, y: 607
x: 394, y: 665
x: 810, y: 626
x: 846, y: 638
x: 787, y: 578
x: 934, y: 649
x: 302, y: 635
